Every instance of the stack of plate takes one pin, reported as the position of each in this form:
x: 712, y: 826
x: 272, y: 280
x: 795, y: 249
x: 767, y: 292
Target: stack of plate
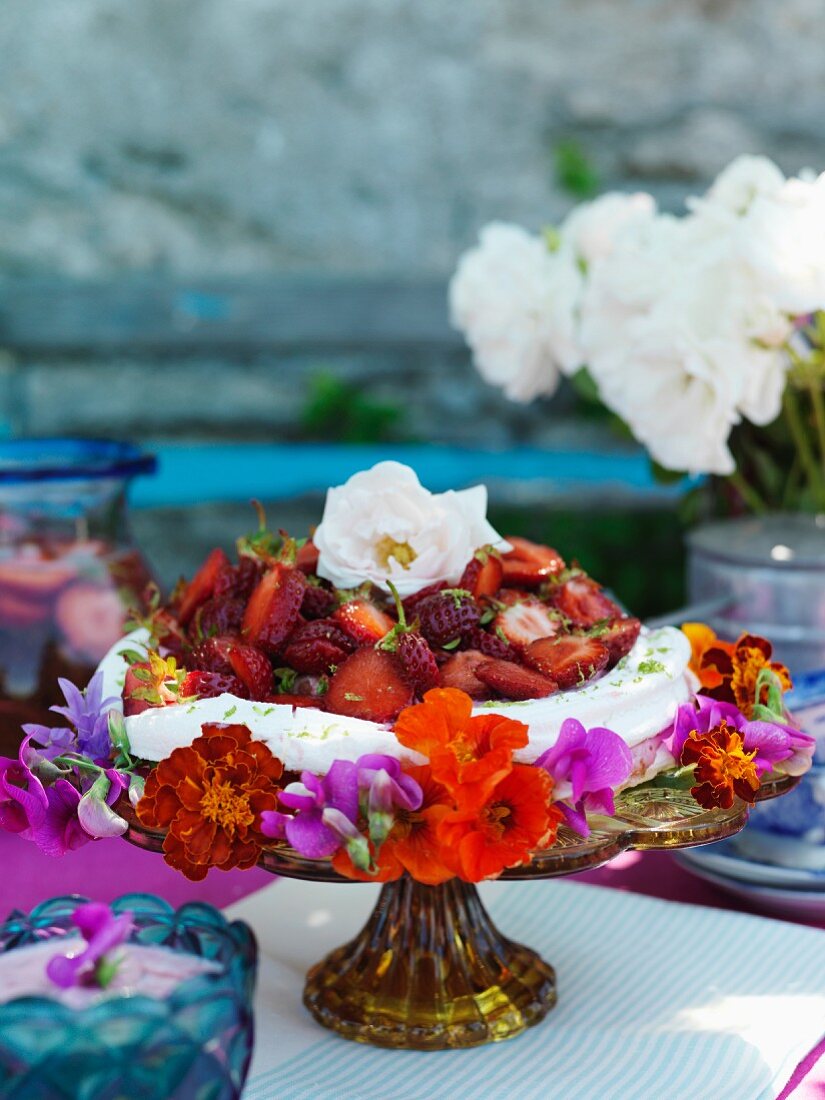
x: 775, y: 888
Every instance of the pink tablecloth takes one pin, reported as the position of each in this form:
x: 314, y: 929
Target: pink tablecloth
x: 106, y: 869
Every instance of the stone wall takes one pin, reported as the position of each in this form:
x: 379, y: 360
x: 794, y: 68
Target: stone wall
x: 371, y: 135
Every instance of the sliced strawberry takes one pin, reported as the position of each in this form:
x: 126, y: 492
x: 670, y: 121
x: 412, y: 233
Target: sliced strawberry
x: 515, y: 681
x: 584, y: 603
x: 253, y: 669
x: 296, y: 701
x: 307, y: 557
x: 418, y: 662
x: 208, y: 685
x: 363, y: 621
x: 140, y: 682
x: 202, y: 585
x: 369, y: 684
x: 620, y: 636
x: 315, y: 646
x: 132, y: 683
x: 483, y: 574
x: 570, y: 661
x: 212, y: 655
x: 459, y: 671
x: 530, y: 563
x: 274, y: 607
x: 318, y: 602
x: 525, y: 621
x: 219, y: 615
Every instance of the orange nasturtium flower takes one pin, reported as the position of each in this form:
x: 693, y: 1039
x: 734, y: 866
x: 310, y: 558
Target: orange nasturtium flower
x: 412, y: 844
x: 504, y: 828
x: 722, y: 769
x: 702, y: 639
x: 209, y: 797
x: 464, y: 751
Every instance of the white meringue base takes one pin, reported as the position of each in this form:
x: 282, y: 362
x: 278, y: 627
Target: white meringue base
x: 637, y: 700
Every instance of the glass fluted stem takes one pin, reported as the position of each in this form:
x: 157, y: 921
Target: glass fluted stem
x: 429, y: 971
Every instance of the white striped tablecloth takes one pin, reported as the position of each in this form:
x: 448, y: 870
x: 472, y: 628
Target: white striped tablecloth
x: 656, y: 999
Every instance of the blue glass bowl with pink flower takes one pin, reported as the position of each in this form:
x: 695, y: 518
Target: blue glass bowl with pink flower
x: 133, y: 1000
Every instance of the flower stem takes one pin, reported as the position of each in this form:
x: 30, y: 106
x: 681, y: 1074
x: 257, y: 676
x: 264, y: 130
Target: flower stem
x: 803, y: 445
x: 747, y: 492
x: 819, y: 414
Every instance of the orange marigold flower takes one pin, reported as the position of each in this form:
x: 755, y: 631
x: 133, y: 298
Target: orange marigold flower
x: 702, y: 639
x: 412, y: 845
x: 503, y: 829
x: 209, y: 797
x: 722, y: 767
x: 462, y: 749
x: 739, y: 667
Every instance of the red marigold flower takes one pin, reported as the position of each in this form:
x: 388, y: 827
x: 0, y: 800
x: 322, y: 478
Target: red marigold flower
x: 463, y: 750
x: 738, y: 668
x: 210, y: 797
x: 413, y: 844
x: 503, y: 829
x: 722, y: 767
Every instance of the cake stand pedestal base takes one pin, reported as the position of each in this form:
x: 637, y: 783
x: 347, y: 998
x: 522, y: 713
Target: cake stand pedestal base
x: 430, y: 971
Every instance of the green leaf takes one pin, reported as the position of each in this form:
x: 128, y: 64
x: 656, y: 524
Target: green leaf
x: 575, y: 172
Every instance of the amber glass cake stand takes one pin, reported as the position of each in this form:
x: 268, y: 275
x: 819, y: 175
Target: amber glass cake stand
x: 431, y: 971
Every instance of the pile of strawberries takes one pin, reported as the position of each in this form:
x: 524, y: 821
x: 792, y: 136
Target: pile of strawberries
x: 516, y: 626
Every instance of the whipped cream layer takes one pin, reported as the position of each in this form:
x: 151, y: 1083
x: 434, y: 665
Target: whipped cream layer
x: 143, y: 970
x: 637, y: 700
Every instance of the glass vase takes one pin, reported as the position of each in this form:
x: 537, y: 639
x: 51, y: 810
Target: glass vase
x: 68, y: 568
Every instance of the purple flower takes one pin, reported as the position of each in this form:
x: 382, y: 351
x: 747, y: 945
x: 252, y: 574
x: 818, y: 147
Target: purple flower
x: 779, y: 747
x: 102, y: 931
x: 386, y: 787
x: 52, y: 741
x: 586, y: 765
x: 60, y: 831
x: 88, y: 712
x: 324, y: 808
x: 23, y: 799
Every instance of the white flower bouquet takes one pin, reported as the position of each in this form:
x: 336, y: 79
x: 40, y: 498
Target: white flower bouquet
x: 704, y: 334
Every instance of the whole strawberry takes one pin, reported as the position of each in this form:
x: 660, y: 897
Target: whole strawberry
x: 447, y: 616
x: 418, y: 662
x: 412, y: 650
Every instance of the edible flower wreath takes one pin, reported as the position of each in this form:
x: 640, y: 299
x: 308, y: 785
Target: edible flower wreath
x: 470, y: 811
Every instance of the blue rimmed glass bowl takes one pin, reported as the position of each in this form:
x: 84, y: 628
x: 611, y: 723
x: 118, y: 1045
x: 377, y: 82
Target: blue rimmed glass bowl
x: 196, y: 1043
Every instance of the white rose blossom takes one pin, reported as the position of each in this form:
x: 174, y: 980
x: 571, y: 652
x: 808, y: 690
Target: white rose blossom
x: 515, y: 301
x: 593, y: 229
x: 675, y: 334
x: 383, y: 525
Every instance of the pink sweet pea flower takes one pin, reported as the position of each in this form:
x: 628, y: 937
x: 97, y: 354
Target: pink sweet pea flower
x: 586, y: 766
x: 312, y: 830
x: 60, y: 831
x: 102, y: 931
x: 23, y: 800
